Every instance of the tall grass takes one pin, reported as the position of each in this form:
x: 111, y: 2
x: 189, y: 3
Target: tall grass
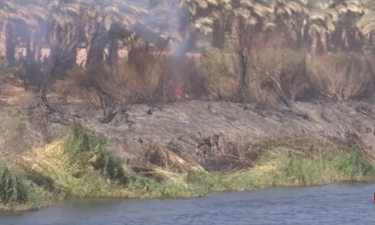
x: 17, y: 193
x: 88, y: 150
x: 83, y: 150
x: 283, y: 167
x: 12, y: 189
x: 214, y: 75
x: 342, y: 76
x: 82, y: 166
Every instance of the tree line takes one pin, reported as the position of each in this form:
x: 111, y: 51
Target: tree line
x: 318, y: 26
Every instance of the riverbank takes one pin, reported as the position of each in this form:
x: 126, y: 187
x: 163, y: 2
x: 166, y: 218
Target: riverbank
x: 81, y: 165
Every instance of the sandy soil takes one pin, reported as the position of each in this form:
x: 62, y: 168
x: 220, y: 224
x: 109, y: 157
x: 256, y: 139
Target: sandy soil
x: 200, y: 127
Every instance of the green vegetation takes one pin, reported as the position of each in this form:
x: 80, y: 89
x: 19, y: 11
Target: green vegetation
x: 260, y: 51
x: 12, y: 189
x: 279, y: 167
x: 81, y: 166
x: 18, y: 193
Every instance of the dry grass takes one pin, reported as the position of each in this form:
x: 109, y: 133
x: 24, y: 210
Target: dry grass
x: 162, y: 157
x: 14, y: 94
x: 158, y: 162
x: 20, y: 132
x: 124, y: 81
x: 214, y: 75
x: 342, y: 76
x: 69, y: 179
x: 16, y: 133
x: 50, y: 158
x: 264, y: 80
x: 73, y: 167
x: 276, y: 70
x: 290, y: 73
x: 293, y: 77
x: 219, y: 79
x: 81, y: 166
x: 231, y: 154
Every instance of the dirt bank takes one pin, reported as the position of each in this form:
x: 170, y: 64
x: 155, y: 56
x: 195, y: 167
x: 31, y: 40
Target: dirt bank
x: 184, y: 149
x: 199, y: 128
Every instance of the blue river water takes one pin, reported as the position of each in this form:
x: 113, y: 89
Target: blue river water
x: 337, y: 204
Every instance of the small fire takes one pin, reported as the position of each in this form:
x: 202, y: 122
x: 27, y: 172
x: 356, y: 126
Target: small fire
x: 177, y: 90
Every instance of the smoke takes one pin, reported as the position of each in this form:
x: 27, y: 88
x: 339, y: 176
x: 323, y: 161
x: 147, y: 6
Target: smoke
x: 155, y: 21
x: 167, y: 21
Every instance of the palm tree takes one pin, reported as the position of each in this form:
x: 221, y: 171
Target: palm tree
x: 289, y: 16
x: 366, y: 25
x: 103, y: 20
x: 31, y: 13
x: 6, y: 10
x: 319, y: 24
x: 346, y: 35
x: 211, y: 17
x: 63, y: 25
x: 172, y: 19
x: 17, y: 12
x: 181, y: 20
x: 249, y: 20
x: 9, y: 12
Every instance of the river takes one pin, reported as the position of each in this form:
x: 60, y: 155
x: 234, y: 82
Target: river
x: 329, y: 205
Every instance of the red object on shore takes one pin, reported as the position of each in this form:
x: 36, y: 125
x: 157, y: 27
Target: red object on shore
x: 177, y: 93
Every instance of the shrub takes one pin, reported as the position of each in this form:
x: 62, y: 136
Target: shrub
x: 123, y: 81
x: 340, y: 76
x: 219, y: 79
x: 12, y: 189
x: 86, y: 150
x: 271, y: 73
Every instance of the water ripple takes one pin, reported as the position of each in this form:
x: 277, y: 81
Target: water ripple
x: 329, y: 205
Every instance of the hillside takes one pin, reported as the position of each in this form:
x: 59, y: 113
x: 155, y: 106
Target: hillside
x: 202, y: 130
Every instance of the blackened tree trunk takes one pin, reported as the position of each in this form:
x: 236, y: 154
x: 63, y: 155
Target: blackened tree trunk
x: 31, y: 44
x: 11, y: 44
x: 97, y: 42
x: 69, y: 55
x: 113, y: 50
x: 55, y: 40
x: 3, y: 39
x: 218, y: 32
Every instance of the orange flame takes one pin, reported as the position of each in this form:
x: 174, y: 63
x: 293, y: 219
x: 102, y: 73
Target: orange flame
x: 177, y: 90
x: 177, y: 93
